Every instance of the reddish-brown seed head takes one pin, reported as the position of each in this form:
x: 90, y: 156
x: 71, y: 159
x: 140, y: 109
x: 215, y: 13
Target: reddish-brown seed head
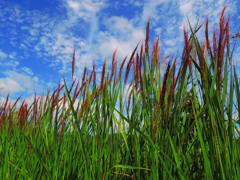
x: 73, y: 64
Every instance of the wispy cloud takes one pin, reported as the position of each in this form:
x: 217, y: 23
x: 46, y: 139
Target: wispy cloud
x: 8, y: 60
x: 169, y: 18
x: 150, y: 9
x: 198, y: 10
x: 2, y: 55
x: 85, y: 9
x: 95, y: 28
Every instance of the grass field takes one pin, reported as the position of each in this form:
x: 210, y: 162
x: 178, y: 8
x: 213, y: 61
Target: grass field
x: 147, y: 118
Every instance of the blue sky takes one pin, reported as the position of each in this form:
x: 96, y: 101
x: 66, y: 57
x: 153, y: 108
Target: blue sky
x: 37, y: 38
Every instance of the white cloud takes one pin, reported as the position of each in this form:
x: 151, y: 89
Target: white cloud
x: 85, y: 8
x: 170, y: 42
x: 172, y: 15
x: 26, y: 81
x: 122, y: 35
x: 186, y: 6
x: 158, y: 30
x: 10, y: 63
x: 27, y: 70
x: 8, y: 60
x: 196, y: 9
x: 111, y: 43
x: 14, y: 82
x: 59, y: 40
x: 3, y: 55
x: 150, y: 10
x: 9, y: 86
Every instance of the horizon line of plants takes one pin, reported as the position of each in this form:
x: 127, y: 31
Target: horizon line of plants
x: 147, y: 118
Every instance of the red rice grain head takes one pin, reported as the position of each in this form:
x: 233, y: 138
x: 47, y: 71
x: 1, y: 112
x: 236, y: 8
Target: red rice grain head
x: 73, y: 64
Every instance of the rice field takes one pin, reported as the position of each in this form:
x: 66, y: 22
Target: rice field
x: 146, y: 118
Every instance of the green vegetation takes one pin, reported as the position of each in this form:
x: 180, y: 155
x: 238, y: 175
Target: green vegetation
x: 178, y: 120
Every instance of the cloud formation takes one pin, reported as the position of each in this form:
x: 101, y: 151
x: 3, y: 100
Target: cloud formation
x: 14, y: 82
x: 95, y: 28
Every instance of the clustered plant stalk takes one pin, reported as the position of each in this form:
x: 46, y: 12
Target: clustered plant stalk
x: 178, y: 120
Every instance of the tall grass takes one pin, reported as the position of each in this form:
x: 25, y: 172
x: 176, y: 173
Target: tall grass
x: 174, y: 122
